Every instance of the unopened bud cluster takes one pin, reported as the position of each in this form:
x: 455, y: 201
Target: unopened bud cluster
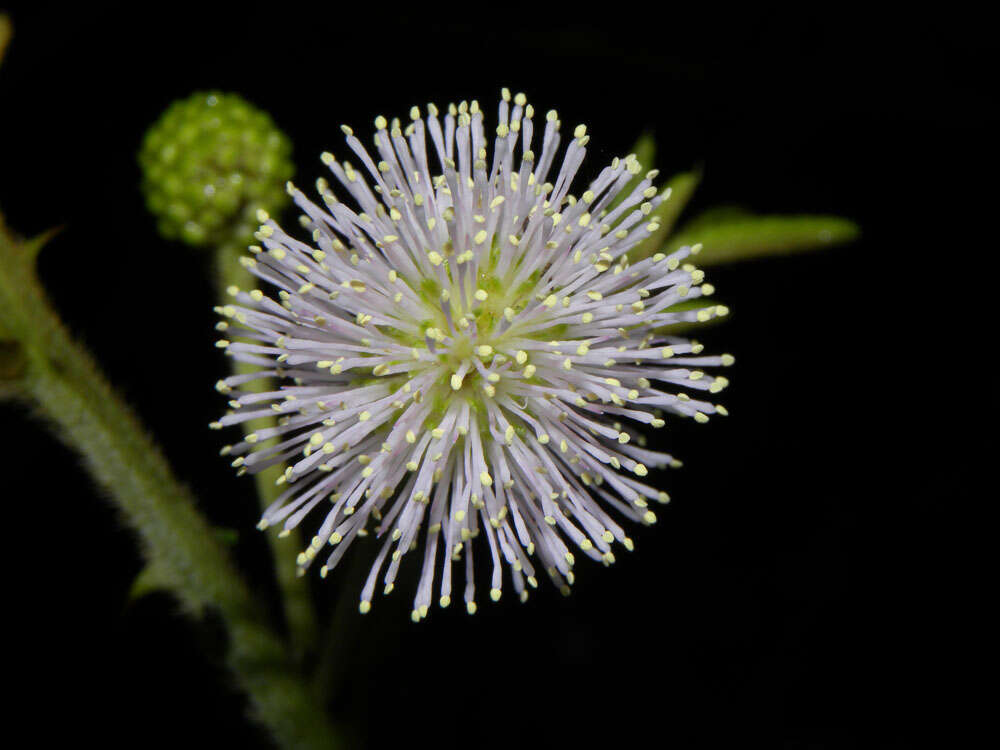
x: 209, y: 164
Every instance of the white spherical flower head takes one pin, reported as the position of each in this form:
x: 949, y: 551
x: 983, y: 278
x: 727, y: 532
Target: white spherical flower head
x: 458, y: 350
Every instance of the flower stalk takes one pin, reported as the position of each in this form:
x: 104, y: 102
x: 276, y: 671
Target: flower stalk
x: 300, y: 617
x: 209, y: 163
x: 61, y: 379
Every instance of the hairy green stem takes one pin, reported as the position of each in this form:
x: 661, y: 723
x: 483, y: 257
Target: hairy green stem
x: 63, y: 381
x: 299, y: 614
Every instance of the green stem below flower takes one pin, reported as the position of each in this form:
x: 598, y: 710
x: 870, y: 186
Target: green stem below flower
x: 299, y: 614
x: 62, y: 380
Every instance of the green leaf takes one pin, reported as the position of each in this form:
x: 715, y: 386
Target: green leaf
x: 20, y: 289
x: 30, y: 248
x: 645, y: 152
x: 682, y: 187
x: 155, y: 577
x: 732, y: 235
x: 151, y: 579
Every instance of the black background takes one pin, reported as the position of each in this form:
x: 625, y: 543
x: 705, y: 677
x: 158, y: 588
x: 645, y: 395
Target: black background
x: 807, y: 586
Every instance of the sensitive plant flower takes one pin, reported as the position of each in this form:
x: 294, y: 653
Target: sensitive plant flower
x: 209, y: 164
x: 457, y: 354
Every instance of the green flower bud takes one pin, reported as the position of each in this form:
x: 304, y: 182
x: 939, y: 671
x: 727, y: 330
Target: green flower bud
x: 209, y: 163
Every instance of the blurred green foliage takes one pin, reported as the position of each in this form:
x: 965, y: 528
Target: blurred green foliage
x: 5, y: 33
x: 730, y: 235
